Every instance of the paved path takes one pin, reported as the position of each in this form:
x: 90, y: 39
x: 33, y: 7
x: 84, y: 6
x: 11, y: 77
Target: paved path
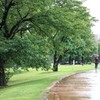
x: 79, y: 86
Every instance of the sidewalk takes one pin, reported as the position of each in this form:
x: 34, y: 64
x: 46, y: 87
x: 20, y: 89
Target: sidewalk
x: 79, y: 86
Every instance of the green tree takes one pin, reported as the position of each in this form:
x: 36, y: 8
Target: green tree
x: 82, y: 48
x: 73, y: 21
x: 25, y: 52
x: 98, y: 45
x: 17, y: 18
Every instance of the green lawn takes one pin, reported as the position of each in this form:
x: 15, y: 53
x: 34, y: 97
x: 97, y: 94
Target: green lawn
x: 30, y: 85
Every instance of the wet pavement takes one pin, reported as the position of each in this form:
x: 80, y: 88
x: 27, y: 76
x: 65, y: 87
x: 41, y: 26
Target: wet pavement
x: 79, y: 86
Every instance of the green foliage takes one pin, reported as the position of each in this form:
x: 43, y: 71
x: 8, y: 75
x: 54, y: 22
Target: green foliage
x: 8, y: 74
x: 98, y: 47
x: 72, y: 32
x: 25, y: 52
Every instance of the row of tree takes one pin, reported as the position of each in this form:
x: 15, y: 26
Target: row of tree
x: 35, y: 31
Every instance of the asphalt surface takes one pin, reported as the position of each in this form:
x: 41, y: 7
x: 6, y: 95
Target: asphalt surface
x: 79, y: 86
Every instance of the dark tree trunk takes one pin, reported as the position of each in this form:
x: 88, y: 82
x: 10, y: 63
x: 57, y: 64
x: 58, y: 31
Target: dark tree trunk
x: 55, y: 67
x: 2, y: 75
x: 70, y: 60
x: 56, y: 62
x: 82, y: 61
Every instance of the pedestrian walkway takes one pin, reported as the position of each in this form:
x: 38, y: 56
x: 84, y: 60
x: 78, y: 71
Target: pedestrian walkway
x: 79, y: 86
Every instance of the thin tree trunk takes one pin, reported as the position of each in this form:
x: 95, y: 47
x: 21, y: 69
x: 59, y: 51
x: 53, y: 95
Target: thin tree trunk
x: 70, y: 60
x: 55, y: 65
x: 82, y: 61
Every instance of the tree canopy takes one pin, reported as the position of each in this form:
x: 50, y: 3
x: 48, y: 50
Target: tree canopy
x: 73, y: 32
x: 32, y: 31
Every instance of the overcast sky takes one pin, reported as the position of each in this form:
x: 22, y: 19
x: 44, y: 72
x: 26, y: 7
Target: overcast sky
x: 94, y: 6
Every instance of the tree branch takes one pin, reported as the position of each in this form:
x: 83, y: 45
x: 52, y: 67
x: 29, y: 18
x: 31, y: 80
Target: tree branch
x: 5, y: 14
x: 14, y: 29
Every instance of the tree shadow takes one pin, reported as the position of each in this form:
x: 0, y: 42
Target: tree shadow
x: 27, y: 82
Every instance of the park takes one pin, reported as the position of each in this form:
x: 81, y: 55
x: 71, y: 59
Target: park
x: 42, y: 41
x: 32, y: 85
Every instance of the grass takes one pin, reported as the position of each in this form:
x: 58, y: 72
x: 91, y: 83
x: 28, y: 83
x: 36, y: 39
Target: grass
x: 30, y: 85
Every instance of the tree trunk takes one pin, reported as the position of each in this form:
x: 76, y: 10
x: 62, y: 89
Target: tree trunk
x: 2, y: 75
x: 82, y: 61
x: 55, y: 67
x: 70, y: 60
x: 56, y: 62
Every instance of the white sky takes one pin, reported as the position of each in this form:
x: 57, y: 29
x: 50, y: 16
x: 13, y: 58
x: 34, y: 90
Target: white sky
x: 94, y: 6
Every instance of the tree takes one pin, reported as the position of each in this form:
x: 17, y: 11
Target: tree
x: 98, y: 44
x: 82, y: 48
x: 74, y: 21
x: 17, y: 18
x: 26, y: 52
